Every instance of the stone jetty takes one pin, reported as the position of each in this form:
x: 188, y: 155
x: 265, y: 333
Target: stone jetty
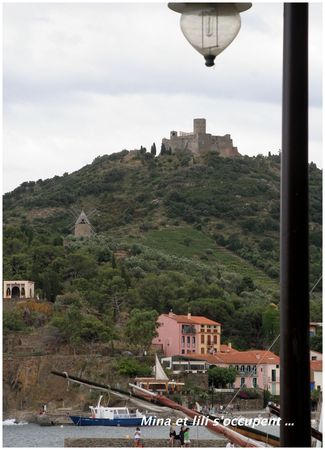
x: 123, y: 442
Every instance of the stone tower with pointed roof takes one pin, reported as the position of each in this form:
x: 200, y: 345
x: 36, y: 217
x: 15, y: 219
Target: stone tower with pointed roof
x: 82, y: 227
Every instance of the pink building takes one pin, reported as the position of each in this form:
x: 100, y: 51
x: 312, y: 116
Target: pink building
x: 187, y: 334
x: 256, y: 368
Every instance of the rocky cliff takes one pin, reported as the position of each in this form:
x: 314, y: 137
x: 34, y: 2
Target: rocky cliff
x: 28, y: 382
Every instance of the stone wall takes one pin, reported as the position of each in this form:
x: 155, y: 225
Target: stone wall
x: 239, y: 404
x: 200, y: 141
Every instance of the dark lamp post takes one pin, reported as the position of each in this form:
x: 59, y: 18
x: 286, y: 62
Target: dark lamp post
x: 210, y: 27
x: 294, y: 279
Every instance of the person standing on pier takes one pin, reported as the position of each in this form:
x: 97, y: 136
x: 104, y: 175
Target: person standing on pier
x: 181, y: 435
x: 187, y: 441
x: 137, y: 438
x: 172, y: 435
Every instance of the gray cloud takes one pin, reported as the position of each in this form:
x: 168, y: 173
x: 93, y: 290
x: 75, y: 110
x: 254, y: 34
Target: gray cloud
x: 86, y: 79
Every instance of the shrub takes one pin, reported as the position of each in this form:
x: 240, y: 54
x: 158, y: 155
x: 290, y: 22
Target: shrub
x: 247, y: 393
x: 266, y: 244
x: 36, y: 307
x: 221, y: 376
x: 132, y: 368
x: 13, y: 321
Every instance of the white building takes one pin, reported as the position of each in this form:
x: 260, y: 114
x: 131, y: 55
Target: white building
x: 18, y: 289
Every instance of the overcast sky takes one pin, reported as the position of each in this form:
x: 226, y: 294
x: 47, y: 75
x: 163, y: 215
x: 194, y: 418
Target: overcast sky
x: 82, y: 80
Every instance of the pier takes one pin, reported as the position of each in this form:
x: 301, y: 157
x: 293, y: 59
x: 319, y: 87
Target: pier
x: 124, y: 442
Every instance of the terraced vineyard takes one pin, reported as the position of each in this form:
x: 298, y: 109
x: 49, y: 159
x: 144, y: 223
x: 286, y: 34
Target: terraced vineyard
x: 190, y: 243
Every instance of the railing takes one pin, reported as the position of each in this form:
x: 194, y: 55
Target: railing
x: 247, y: 374
x: 188, y: 329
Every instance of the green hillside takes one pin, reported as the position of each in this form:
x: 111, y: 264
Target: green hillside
x: 191, y: 243
x: 197, y: 233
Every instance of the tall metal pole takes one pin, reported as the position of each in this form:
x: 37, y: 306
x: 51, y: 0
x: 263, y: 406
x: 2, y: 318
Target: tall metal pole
x: 295, y: 371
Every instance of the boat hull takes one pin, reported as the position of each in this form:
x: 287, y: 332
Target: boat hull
x: 90, y: 422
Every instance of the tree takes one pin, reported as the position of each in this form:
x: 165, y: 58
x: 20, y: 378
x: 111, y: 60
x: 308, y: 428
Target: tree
x: 113, y: 261
x: 270, y: 323
x: 132, y: 368
x: 220, y: 377
x: 316, y: 342
x: 163, y: 150
x: 247, y: 284
x: 51, y: 285
x: 77, y: 327
x: 141, y: 327
x: 13, y: 321
x: 153, y: 149
x: 266, y: 244
x: 81, y: 265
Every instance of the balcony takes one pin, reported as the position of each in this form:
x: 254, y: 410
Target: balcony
x: 188, y: 329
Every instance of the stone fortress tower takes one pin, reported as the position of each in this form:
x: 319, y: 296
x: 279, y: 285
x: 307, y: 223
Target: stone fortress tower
x: 199, y: 141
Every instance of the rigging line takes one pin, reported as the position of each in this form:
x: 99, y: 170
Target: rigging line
x: 315, y: 284
x: 251, y: 372
x: 240, y: 388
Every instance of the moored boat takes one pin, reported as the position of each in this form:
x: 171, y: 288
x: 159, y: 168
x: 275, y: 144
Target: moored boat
x: 107, y: 416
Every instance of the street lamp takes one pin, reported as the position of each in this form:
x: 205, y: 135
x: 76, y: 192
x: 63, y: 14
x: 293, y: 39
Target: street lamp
x: 210, y: 27
x: 202, y: 27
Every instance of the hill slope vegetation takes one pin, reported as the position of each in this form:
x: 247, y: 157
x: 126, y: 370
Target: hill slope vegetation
x: 195, y: 233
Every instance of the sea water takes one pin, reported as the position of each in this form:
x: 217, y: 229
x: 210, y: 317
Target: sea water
x: 33, y: 435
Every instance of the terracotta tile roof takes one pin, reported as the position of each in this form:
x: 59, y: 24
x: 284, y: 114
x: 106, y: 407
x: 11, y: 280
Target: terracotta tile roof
x: 226, y: 349
x: 316, y: 366
x: 194, y: 320
x: 247, y: 357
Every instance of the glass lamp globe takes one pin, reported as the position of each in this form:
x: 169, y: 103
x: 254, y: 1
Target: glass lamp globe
x: 210, y: 27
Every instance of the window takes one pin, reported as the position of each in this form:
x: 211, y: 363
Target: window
x: 314, y: 358
x: 193, y: 341
x: 183, y: 351
x: 237, y: 368
x: 8, y: 291
x: 202, y: 338
x: 215, y: 339
x: 248, y: 369
x: 242, y: 382
x: 254, y: 382
x: 188, y: 341
x: 202, y: 350
x: 273, y: 375
x: 242, y: 368
x: 183, y: 341
x: 188, y: 329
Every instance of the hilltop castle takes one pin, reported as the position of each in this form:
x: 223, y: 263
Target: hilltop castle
x: 199, y: 140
